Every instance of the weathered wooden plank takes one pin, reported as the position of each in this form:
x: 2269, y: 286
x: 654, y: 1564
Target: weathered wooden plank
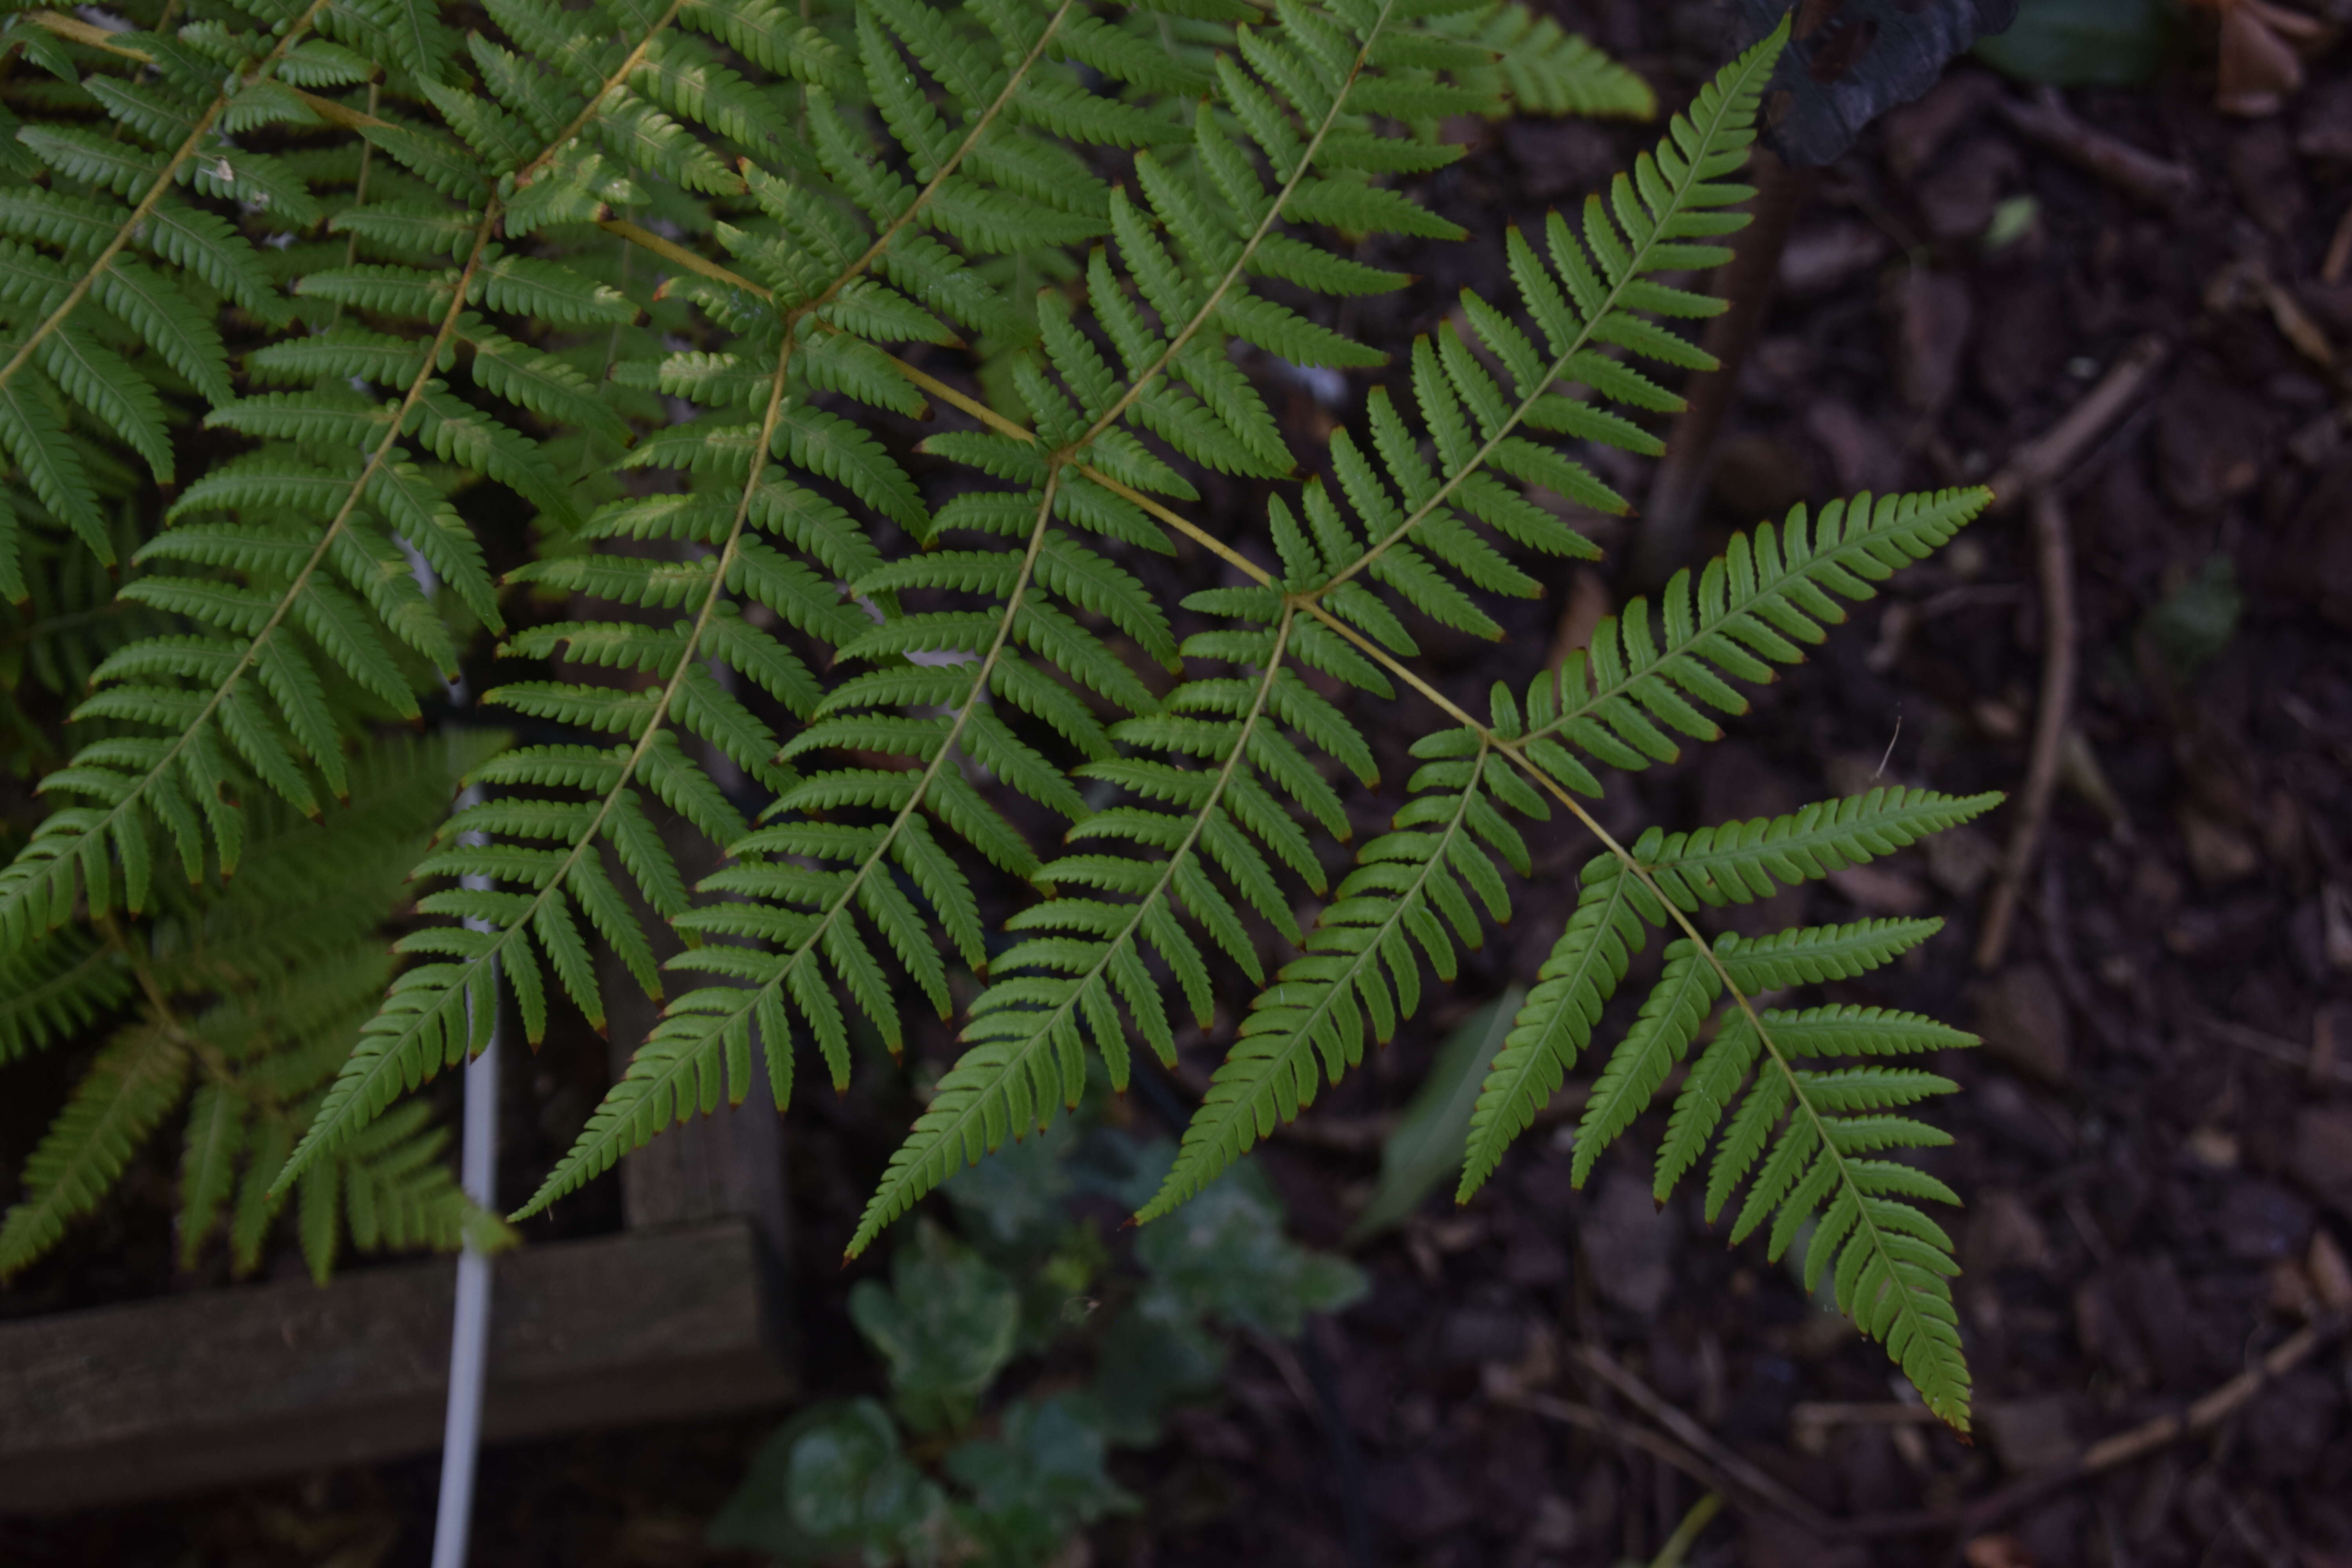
x: 188, y: 1392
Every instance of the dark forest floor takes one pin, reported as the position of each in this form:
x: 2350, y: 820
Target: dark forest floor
x: 2149, y: 1145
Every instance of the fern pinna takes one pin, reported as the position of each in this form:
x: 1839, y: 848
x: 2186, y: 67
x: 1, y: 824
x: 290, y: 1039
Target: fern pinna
x: 239, y: 1002
x: 668, y: 273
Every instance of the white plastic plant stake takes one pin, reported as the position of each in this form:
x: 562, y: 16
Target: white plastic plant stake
x: 469, y: 1335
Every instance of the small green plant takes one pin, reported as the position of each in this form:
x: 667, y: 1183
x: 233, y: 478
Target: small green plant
x: 943, y: 1474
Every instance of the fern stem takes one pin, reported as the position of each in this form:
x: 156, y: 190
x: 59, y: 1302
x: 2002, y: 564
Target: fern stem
x: 295, y: 32
x: 86, y: 34
x: 1249, y: 247
x: 1182, y: 524
x: 671, y: 251
x: 1802, y: 1101
x: 955, y: 398
x: 359, y: 186
x: 1726, y: 110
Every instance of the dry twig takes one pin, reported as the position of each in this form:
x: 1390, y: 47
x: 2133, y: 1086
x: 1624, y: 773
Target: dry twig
x: 1972, y: 1519
x: 2319, y: 1068
x: 2340, y: 252
x: 1584, y: 1416
x: 2055, y: 551
x: 2030, y: 474
x: 2044, y: 461
x: 1746, y: 1477
x: 1698, y: 1454
x: 2157, y: 182
x: 2210, y: 1411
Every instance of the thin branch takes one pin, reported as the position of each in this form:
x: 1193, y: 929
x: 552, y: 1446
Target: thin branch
x: 2199, y: 1418
x: 2047, y: 459
x: 2157, y: 181
x: 1586, y: 1418
x: 1752, y: 1479
x: 2054, y: 550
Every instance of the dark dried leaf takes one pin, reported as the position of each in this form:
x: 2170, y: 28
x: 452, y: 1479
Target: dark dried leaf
x: 1850, y: 61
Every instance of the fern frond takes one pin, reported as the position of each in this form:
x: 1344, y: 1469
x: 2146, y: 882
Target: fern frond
x: 1188, y: 262
x: 134, y: 1083
x: 255, y: 992
x: 1817, y: 954
x: 1189, y: 265
x: 65, y: 619
x: 319, y: 602
x: 398, y: 1194
x: 55, y: 988
x: 1676, y: 1006
x: 1890, y: 1263
x: 1737, y: 863
x: 1742, y: 861
x: 1891, y: 1260
x: 1540, y: 68
x: 170, y: 128
x: 1478, y: 390
x: 1744, y: 597
x: 1751, y: 607
x: 811, y: 260
x: 1359, y: 965
x: 218, y: 1124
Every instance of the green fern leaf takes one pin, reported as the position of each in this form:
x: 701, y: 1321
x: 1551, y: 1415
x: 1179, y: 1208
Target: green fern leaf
x: 1319, y: 1003
x: 1670, y: 1018
x: 215, y: 1137
x: 54, y: 989
x: 1817, y: 954
x: 1743, y: 861
x: 1557, y: 1021
x: 120, y: 1100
